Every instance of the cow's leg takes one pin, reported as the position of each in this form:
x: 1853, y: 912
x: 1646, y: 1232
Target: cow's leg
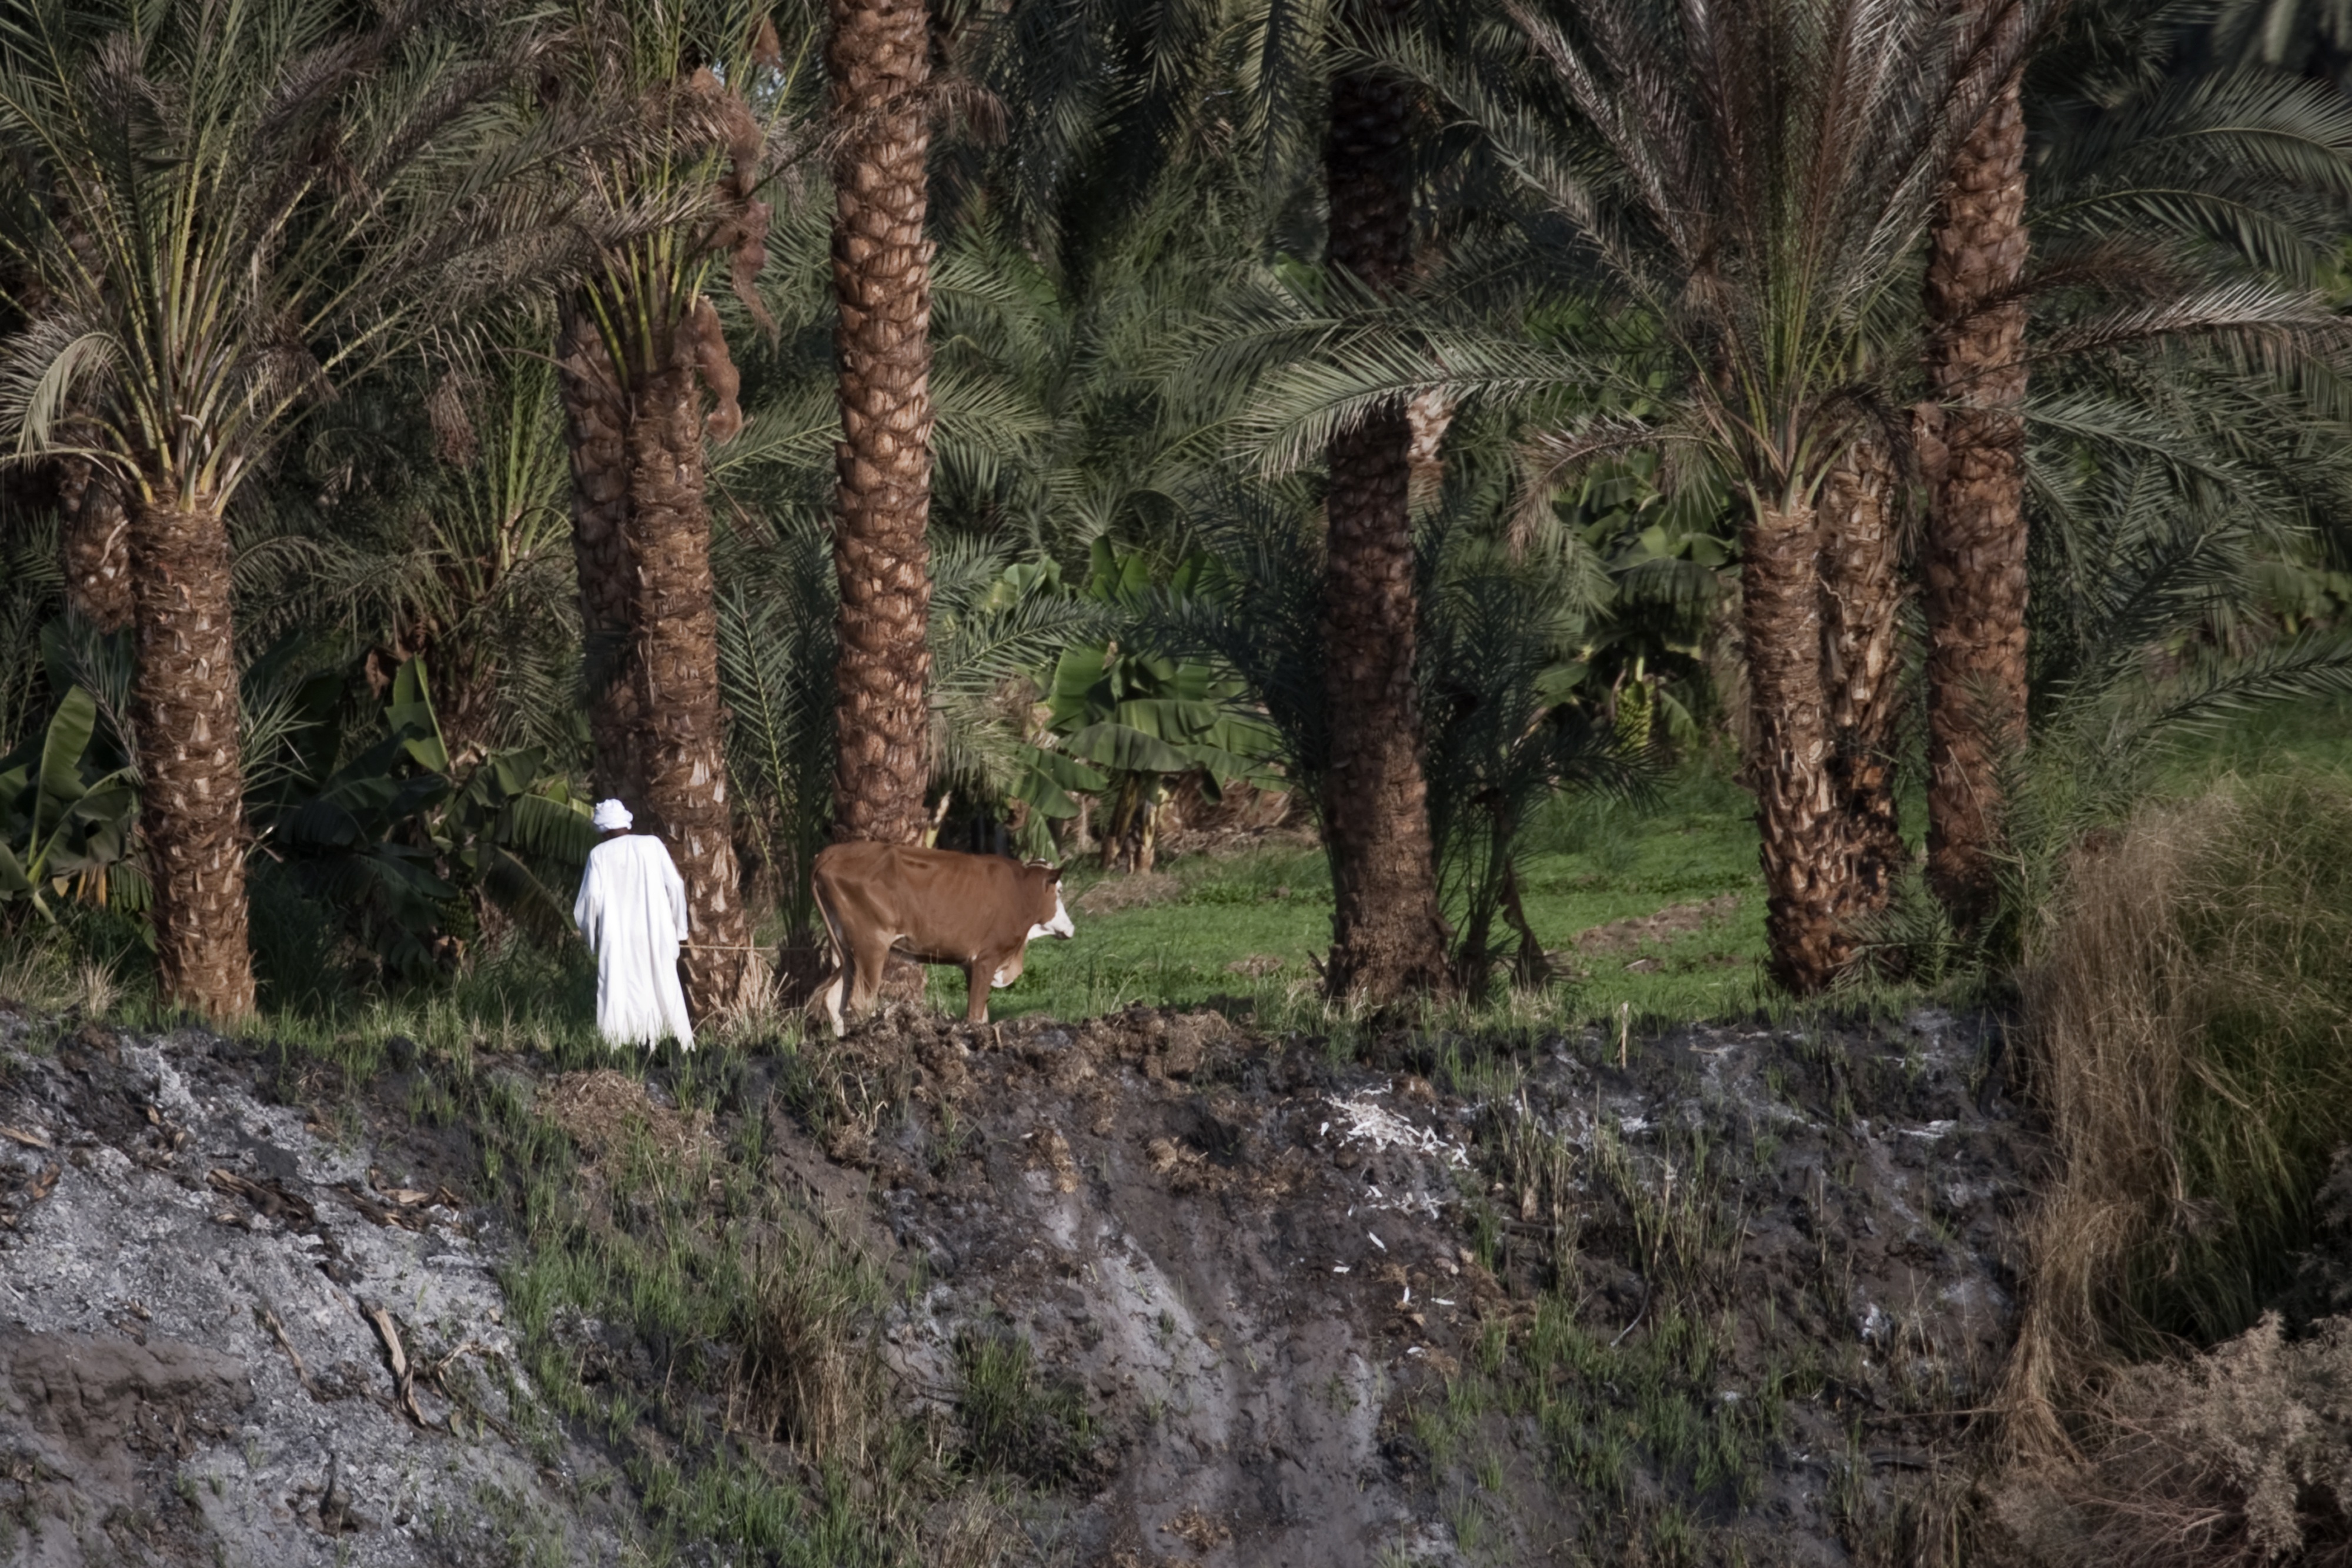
x: 976, y: 976
x: 831, y: 990
x: 866, y: 981
x: 830, y: 993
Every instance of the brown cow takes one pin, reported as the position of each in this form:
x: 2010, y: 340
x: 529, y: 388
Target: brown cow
x: 976, y: 912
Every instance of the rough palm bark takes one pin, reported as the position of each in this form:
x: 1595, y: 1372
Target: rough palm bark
x: 878, y: 59
x: 1862, y: 604
x: 184, y: 710
x: 96, y: 544
x: 596, y: 413
x: 680, y: 748
x: 1387, y: 937
x: 1975, y: 555
x: 641, y: 541
x: 1790, y: 765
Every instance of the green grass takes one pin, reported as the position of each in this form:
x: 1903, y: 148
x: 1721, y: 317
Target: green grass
x: 2283, y: 738
x: 1591, y: 862
x: 1594, y: 862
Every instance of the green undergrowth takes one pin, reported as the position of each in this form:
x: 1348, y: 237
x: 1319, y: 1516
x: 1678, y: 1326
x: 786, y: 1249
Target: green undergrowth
x: 1241, y: 931
x: 713, y: 1330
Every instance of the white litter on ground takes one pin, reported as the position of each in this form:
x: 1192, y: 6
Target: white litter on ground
x: 1384, y: 1129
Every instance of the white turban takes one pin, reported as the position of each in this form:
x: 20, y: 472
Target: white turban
x: 612, y: 817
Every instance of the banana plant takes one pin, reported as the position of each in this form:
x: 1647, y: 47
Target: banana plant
x: 60, y: 831
x: 409, y: 838
x: 1128, y: 722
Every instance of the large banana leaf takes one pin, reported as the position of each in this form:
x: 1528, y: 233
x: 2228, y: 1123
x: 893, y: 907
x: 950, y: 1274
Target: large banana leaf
x: 397, y: 832
x: 1126, y: 749
x: 1047, y: 781
x: 61, y: 787
x: 54, y: 823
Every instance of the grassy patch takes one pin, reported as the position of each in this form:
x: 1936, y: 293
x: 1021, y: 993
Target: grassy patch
x: 1248, y: 929
x: 714, y: 1331
x: 1015, y: 1418
x: 1670, y: 1346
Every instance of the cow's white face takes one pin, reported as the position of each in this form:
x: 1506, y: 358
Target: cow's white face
x: 1059, y: 925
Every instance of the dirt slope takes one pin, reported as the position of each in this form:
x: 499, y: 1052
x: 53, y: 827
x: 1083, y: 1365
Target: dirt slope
x: 1482, y: 1302
x: 190, y: 1280
x: 1266, y: 1270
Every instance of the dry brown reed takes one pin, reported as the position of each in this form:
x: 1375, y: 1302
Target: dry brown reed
x: 2188, y: 1035
x: 2235, y: 1459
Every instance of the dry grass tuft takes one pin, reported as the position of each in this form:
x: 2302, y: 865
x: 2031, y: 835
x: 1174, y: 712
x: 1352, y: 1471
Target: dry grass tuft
x: 601, y: 1109
x: 806, y: 1374
x: 48, y: 976
x: 2234, y: 1459
x: 2189, y: 1036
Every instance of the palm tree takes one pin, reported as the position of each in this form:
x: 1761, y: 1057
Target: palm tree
x: 1863, y: 587
x: 1731, y: 199
x: 878, y: 61
x: 1159, y: 81
x: 96, y: 546
x: 462, y: 555
x: 1974, y: 561
x: 199, y: 279
x: 639, y: 345
x: 2150, y: 188
x: 1388, y: 938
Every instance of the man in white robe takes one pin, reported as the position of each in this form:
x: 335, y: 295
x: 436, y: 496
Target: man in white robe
x: 632, y: 909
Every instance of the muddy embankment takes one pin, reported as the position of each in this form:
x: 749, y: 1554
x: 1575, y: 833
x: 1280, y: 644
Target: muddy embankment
x: 1715, y: 1296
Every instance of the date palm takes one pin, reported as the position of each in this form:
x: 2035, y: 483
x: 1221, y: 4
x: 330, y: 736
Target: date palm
x: 2156, y: 187
x: 1731, y: 200
x: 877, y: 61
x: 458, y: 553
x: 226, y: 211
x: 1388, y: 938
x: 1974, y: 560
x: 639, y: 345
x: 1271, y: 62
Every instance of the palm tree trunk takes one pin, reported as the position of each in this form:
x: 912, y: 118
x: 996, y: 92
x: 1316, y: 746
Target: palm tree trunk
x: 1387, y: 937
x: 96, y: 546
x: 596, y: 420
x: 185, y: 709
x: 1976, y: 573
x: 1862, y: 602
x: 641, y: 540
x: 680, y: 746
x: 1791, y: 765
x: 878, y: 59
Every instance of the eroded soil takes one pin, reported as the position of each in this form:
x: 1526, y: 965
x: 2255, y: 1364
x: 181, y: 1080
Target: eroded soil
x: 201, y: 1286
x: 1473, y: 1301
x: 1266, y: 1270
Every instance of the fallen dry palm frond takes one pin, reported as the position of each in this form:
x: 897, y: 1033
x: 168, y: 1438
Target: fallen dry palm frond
x: 2189, y: 1036
x: 601, y: 1109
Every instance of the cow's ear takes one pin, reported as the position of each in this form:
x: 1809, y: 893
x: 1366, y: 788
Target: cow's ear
x: 1053, y: 876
